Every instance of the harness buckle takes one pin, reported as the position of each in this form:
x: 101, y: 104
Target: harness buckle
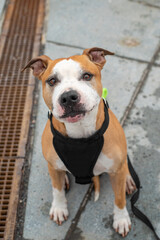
x: 49, y: 113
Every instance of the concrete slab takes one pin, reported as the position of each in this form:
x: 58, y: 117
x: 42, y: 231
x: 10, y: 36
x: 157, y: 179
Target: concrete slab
x: 142, y: 132
x: 123, y: 26
x: 158, y: 59
x: 120, y: 77
x: 2, y: 5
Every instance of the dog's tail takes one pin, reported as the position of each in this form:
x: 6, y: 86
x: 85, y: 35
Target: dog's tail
x: 96, y: 187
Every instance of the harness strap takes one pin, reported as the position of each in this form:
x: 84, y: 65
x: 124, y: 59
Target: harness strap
x: 135, y: 197
x: 51, y: 125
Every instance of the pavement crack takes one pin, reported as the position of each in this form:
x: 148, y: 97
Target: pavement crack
x: 115, y: 55
x: 145, y: 4
x: 65, y: 45
x: 139, y: 85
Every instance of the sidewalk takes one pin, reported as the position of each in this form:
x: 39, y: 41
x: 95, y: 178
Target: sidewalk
x: 131, y: 30
x: 2, y: 5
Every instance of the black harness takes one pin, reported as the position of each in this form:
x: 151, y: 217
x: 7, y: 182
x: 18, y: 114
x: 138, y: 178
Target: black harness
x: 80, y: 155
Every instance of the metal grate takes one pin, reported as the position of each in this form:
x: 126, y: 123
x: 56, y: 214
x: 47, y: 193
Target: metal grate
x: 6, y: 179
x: 12, y: 102
x: 19, y: 42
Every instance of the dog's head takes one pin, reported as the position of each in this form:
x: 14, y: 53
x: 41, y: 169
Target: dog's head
x: 71, y: 86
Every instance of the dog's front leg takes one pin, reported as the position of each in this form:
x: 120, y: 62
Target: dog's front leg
x: 58, y: 211
x: 121, y: 219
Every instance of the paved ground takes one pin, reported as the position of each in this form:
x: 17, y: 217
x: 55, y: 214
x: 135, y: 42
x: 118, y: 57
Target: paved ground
x: 131, y: 30
x: 2, y: 6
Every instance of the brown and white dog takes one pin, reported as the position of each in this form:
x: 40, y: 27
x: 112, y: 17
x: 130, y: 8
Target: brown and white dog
x: 81, y: 74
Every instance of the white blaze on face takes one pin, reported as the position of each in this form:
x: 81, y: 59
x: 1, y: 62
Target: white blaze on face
x: 69, y: 73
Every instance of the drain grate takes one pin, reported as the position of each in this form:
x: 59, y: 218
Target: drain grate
x: 12, y: 102
x: 6, y: 179
x: 19, y: 41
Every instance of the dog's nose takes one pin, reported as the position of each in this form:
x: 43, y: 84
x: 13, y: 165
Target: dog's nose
x: 69, y: 98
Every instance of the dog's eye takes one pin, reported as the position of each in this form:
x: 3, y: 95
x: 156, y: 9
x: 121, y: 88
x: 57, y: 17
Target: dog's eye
x: 51, y: 81
x: 87, y: 76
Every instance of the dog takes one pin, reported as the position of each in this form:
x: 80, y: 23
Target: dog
x: 72, y: 90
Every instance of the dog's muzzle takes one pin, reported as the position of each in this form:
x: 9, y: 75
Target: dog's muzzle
x: 69, y: 99
x: 70, y: 103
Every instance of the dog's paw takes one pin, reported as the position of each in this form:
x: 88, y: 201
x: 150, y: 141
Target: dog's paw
x: 130, y: 185
x: 58, y: 213
x: 121, y: 221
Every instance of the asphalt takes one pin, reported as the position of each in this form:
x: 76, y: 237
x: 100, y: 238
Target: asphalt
x: 131, y: 30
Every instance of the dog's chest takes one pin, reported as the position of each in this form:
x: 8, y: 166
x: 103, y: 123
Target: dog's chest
x: 102, y: 165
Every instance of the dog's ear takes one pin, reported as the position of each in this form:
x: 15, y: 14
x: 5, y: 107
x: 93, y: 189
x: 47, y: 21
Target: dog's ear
x: 38, y: 65
x: 97, y: 55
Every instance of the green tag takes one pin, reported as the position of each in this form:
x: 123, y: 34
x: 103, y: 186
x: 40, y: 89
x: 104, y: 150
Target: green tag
x: 104, y: 93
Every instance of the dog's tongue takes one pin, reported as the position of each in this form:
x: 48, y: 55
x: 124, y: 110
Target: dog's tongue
x: 74, y: 119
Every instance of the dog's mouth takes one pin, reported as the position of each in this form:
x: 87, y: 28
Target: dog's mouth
x: 73, y: 116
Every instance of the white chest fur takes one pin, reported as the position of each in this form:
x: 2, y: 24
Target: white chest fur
x: 83, y: 128
x: 60, y: 165
x: 102, y: 165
